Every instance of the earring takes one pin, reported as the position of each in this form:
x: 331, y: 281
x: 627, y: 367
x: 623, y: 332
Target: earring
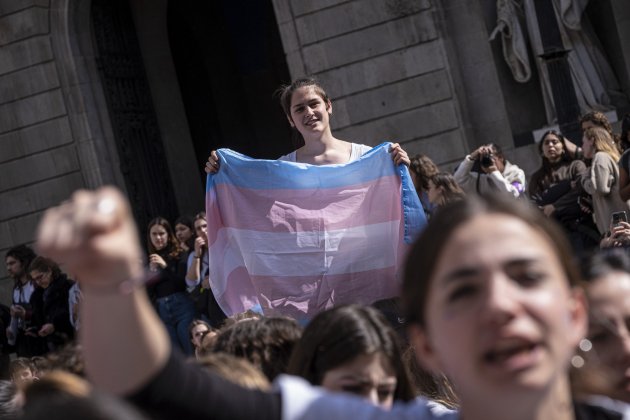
x: 577, y: 361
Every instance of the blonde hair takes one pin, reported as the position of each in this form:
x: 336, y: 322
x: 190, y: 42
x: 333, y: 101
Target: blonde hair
x: 603, y: 141
x: 236, y: 370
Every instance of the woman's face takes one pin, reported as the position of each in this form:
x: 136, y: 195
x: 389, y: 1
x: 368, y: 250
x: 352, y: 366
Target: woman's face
x: 552, y: 148
x: 588, y: 147
x: 182, y: 232
x: 159, y: 237
x: 501, y: 319
x: 434, y: 193
x: 368, y: 375
x: 197, y: 333
x: 23, y: 377
x: 310, y: 114
x: 609, y: 332
x: 201, y: 229
x: 41, y: 278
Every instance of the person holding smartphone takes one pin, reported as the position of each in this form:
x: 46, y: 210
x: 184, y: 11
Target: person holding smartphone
x: 619, y: 233
x: 602, y: 179
x: 555, y: 188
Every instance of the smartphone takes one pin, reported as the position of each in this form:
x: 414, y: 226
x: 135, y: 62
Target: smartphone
x: 618, y: 217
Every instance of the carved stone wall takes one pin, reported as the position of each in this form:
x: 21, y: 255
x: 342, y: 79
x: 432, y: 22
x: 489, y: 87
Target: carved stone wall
x: 385, y: 65
x: 39, y: 161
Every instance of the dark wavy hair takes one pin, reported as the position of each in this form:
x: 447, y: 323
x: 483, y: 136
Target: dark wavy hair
x: 451, y: 191
x: 424, y: 168
x: 43, y: 264
x: 267, y: 342
x: 24, y: 255
x: 600, y: 120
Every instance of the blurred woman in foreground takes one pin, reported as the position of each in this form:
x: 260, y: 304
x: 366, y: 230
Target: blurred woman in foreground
x: 490, y: 298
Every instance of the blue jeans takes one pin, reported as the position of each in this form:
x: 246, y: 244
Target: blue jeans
x: 177, y: 312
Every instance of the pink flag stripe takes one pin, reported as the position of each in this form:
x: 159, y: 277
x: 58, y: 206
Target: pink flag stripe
x: 294, y: 239
x: 301, y: 297
x: 302, y: 210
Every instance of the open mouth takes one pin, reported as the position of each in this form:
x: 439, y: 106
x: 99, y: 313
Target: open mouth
x: 515, y: 355
x: 311, y: 121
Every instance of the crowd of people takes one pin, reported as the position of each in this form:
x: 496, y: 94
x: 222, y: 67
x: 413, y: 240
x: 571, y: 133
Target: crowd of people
x: 515, y: 302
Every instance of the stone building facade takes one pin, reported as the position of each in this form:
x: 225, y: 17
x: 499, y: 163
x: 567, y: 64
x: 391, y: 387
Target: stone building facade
x: 136, y: 92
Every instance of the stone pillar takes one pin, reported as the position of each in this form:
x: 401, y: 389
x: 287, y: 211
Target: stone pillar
x: 557, y: 65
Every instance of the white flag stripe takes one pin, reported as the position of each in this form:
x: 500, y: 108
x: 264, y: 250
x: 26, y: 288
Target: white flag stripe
x: 335, y: 252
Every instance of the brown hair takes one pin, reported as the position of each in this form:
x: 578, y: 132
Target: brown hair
x: 62, y: 395
x: 597, y: 118
x: 196, y: 322
x: 434, y: 386
x: 425, y: 253
x: 199, y: 216
x: 424, y: 168
x: 600, y: 120
x: 339, y: 335
x: 285, y: 92
x: 43, y: 264
x: 69, y: 358
x: 19, y: 364
x: 451, y: 191
x: 267, y: 343
x: 173, y: 249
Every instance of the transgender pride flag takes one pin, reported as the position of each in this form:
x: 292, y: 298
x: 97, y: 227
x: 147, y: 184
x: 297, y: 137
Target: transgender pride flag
x: 294, y: 239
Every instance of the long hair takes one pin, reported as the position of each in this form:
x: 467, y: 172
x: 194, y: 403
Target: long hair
x: 539, y: 179
x: 451, y: 191
x: 603, y: 142
x: 172, y: 249
x: 338, y: 335
x: 600, y: 120
x: 424, y: 168
x: 43, y: 264
x: 188, y: 222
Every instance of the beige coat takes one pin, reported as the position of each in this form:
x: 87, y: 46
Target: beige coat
x: 602, y: 183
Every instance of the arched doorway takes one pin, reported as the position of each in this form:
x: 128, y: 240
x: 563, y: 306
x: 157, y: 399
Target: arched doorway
x: 229, y: 61
x: 141, y: 155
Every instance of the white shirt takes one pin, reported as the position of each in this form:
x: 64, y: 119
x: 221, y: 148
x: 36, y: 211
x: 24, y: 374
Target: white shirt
x: 356, y: 152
